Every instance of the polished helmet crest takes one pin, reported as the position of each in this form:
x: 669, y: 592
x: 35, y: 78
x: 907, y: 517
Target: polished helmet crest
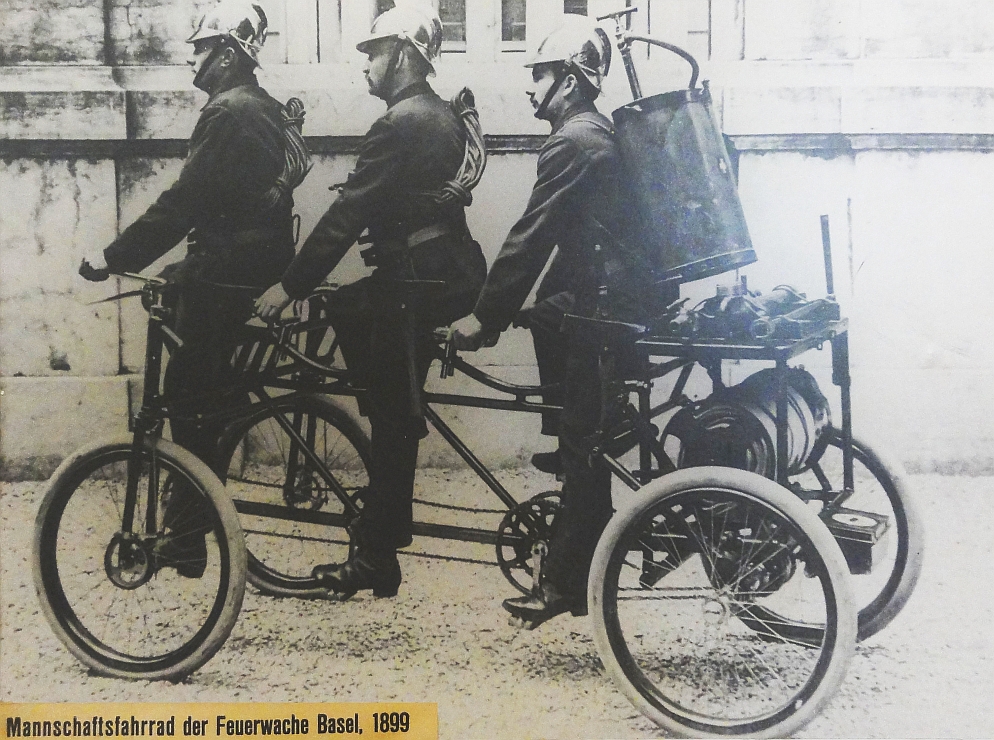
x: 580, y: 45
x: 416, y: 23
x: 241, y: 21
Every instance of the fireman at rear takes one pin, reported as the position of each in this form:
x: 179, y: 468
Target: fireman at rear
x: 579, y: 204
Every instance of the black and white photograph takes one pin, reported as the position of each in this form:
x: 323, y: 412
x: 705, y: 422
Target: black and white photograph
x: 584, y: 368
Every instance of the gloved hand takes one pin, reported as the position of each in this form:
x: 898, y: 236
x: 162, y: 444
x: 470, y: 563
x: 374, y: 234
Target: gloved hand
x: 468, y: 334
x: 270, y: 304
x: 94, y: 268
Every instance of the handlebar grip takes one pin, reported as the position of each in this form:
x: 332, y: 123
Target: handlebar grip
x: 449, y: 360
x: 618, y: 13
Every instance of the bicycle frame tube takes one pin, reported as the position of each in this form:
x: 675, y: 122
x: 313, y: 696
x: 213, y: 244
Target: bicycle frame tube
x: 639, y: 430
x: 148, y: 418
x: 299, y: 443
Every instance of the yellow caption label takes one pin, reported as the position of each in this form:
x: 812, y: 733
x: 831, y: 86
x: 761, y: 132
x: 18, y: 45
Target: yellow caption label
x: 322, y: 720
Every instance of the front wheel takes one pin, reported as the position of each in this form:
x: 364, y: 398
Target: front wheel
x: 722, y: 606
x: 138, y: 601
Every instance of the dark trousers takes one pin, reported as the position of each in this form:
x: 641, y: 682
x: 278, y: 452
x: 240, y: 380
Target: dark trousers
x: 197, y: 377
x: 198, y: 373
x: 373, y: 336
x: 376, y: 337
x: 586, y: 497
x: 545, y: 321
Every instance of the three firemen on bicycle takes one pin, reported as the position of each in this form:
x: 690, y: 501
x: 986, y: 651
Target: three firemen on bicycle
x: 240, y: 234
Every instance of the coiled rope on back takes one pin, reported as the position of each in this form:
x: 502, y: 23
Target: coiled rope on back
x: 474, y: 161
x: 298, y: 160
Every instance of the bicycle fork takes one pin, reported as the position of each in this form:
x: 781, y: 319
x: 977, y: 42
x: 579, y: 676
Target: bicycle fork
x: 147, y: 424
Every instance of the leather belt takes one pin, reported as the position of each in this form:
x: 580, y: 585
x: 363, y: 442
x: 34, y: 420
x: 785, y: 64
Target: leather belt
x: 382, y: 252
x: 428, y: 233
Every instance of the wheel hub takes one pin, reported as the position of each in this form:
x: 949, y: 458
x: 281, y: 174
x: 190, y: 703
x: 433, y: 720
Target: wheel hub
x: 716, y: 610
x: 127, y: 562
x: 305, y: 493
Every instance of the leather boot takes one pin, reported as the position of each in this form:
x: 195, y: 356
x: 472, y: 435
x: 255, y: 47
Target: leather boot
x: 365, y: 568
x: 548, y: 462
x: 535, y: 609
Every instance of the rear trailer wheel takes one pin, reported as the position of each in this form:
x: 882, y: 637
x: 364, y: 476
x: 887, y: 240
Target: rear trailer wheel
x: 722, y: 606
x: 291, y: 512
x: 885, y: 574
x: 144, y: 602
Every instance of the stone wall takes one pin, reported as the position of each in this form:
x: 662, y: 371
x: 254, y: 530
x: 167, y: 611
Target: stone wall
x: 880, y: 115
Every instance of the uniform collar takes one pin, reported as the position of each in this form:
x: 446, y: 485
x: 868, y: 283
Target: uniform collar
x: 581, y: 106
x: 421, y: 87
x: 249, y: 81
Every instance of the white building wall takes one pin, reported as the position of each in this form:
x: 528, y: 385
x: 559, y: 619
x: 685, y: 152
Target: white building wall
x: 880, y: 115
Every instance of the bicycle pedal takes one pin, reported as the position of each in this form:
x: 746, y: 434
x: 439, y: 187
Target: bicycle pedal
x: 331, y: 595
x: 522, y: 624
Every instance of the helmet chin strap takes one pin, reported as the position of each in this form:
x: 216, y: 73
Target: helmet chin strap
x: 560, y: 77
x: 389, y: 75
x: 208, y: 63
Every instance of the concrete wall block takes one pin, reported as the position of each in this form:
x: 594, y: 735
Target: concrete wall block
x: 952, y: 110
x: 802, y: 29
x: 153, y: 31
x: 55, y: 212
x: 933, y: 420
x: 342, y: 111
x: 923, y: 259
x: 782, y: 110
x: 51, y: 31
x: 140, y: 181
x: 49, y: 334
x: 44, y: 419
x: 164, y: 114
x: 928, y: 29
x: 89, y: 114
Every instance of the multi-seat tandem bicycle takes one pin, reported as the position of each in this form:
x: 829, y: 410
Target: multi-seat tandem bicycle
x: 725, y: 598
x: 758, y: 544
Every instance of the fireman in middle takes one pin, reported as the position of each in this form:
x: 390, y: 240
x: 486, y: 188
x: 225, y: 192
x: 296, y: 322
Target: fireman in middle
x: 407, y: 190
x: 579, y: 204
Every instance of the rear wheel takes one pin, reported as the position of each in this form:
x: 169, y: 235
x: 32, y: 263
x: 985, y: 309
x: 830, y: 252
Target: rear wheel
x: 291, y: 512
x: 884, y: 582
x: 721, y: 605
x: 115, y: 595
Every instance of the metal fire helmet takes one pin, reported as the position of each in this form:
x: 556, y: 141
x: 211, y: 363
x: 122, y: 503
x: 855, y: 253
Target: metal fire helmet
x: 580, y: 45
x: 241, y: 21
x: 417, y: 23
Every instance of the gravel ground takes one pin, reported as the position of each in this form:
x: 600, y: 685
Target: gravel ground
x: 445, y: 639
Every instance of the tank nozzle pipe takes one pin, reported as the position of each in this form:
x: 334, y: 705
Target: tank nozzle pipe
x: 625, y: 47
x: 695, y: 68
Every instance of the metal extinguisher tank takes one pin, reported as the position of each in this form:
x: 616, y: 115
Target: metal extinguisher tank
x: 682, y: 175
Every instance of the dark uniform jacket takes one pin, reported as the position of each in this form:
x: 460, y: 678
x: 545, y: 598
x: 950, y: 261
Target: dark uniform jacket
x: 236, y: 154
x: 579, y: 200
x: 414, y: 148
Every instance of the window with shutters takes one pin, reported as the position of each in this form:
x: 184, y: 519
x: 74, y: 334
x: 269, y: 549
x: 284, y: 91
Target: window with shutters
x: 512, y: 24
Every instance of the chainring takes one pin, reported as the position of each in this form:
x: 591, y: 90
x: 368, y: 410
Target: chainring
x: 524, y: 525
